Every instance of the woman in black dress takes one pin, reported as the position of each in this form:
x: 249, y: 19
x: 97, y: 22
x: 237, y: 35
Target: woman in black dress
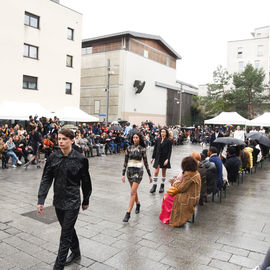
x: 134, y: 159
x: 161, y: 155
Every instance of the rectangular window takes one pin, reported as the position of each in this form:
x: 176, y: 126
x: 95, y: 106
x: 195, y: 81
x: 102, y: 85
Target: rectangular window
x: 257, y: 64
x: 30, y: 82
x: 168, y: 62
x: 97, y: 106
x: 145, y: 53
x: 87, y: 50
x: 70, y: 33
x: 240, y: 52
x: 31, y: 20
x: 69, y: 61
x: 260, y: 50
x: 68, y: 88
x: 241, y: 66
x: 30, y: 51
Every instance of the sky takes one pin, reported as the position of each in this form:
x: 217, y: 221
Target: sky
x: 197, y: 29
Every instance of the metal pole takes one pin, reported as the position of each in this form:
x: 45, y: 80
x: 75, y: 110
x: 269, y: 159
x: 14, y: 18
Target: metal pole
x: 108, y: 91
x: 181, y: 104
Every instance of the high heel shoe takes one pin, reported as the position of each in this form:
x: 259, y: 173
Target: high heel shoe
x: 127, y: 217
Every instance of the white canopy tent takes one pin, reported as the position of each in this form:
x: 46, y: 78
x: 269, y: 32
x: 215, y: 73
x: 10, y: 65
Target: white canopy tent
x: 224, y: 118
x: 15, y: 110
x: 74, y: 114
x: 262, y: 120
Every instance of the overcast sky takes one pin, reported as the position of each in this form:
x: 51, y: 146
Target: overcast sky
x: 197, y: 29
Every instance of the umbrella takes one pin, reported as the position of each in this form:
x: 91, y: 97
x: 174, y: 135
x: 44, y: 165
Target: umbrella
x: 260, y: 137
x: 229, y: 140
x: 69, y: 126
x: 228, y: 126
x: 115, y: 128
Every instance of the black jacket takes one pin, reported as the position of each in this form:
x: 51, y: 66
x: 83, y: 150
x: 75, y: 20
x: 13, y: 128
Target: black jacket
x: 211, y: 176
x: 162, y: 151
x: 232, y: 165
x: 68, y: 173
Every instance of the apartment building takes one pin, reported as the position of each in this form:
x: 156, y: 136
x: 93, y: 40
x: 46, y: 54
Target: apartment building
x: 40, y: 53
x: 253, y: 51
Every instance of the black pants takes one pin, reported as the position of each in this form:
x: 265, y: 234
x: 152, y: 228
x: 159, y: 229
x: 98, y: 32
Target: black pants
x: 68, y: 239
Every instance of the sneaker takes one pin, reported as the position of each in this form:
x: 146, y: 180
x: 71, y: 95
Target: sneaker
x: 13, y: 166
x: 19, y: 162
x: 256, y: 268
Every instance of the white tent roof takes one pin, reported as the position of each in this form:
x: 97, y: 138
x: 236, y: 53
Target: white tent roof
x: 224, y: 118
x: 74, y: 114
x: 14, y: 110
x: 262, y: 120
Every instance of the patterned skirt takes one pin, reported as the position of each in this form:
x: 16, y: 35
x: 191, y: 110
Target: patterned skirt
x: 135, y: 174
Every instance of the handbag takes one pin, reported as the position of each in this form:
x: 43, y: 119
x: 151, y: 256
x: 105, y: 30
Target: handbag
x: 172, y: 191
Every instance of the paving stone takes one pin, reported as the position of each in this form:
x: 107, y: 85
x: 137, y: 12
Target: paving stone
x: 151, y: 253
x: 243, y: 261
x: 22, y: 260
x: 224, y: 265
x: 236, y: 251
x: 100, y: 266
x: 6, y: 265
x: 256, y: 256
x: 104, y: 239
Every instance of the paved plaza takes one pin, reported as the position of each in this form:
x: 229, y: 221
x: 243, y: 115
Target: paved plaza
x: 233, y: 235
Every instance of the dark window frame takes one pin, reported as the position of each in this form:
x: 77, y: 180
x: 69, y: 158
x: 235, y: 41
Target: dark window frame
x: 72, y: 30
x: 70, y: 84
x: 28, y: 56
x: 31, y: 15
x: 71, y: 61
x: 30, y: 79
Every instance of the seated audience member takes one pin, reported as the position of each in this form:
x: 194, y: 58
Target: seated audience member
x: 47, y: 146
x: 11, y: 153
x: 232, y: 164
x: 202, y: 171
x: 179, y: 202
x: 212, y: 153
x: 3, y: 154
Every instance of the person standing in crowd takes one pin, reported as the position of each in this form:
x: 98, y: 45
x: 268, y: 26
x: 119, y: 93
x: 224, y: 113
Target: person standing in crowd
x: 239, y: 134
x: 134, y: 158
x: 216, y: 134
x: 127, y: 129
x: 34, y: 143
x: 161, y: 155
x: 212, y: 153
x: 69, y: 170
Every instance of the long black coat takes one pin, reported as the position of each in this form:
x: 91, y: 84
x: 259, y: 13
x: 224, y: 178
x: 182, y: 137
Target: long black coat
x: 162, y: 151
x: 211, y: 176
x: 69, y: 173
x: 232, y: 165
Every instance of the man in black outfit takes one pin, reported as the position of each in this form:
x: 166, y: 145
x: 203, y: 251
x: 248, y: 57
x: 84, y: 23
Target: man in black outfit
x: 69, y: 169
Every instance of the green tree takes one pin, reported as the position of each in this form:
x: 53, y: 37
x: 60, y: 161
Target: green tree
x: 249, y: 91
x: 217, y: 99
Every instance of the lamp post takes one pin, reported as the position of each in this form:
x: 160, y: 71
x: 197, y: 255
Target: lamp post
x: 108, y: 91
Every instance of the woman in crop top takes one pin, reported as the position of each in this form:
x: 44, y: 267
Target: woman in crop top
x: 135, y: 158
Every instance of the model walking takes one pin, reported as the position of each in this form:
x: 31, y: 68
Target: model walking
x: 161, y: 155
x: 69, y: 170
x: 134, y: 159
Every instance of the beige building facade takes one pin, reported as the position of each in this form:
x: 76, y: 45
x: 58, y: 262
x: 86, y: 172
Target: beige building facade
x: 133, y: 57
x: 40, y: 53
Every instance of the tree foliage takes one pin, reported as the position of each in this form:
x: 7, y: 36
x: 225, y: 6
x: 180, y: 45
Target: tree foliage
x: 249, y: 91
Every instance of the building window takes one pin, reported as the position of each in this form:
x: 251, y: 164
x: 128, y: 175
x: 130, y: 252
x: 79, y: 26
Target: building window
x: 259, y: 35
x: 168, y: 61
x: 241, y: 66
x: 68, y: 88
x: 240, y: 52
x: 87, y: 50
x: 97, y: 107
x: 69, y: 61
x: 70, y: 33
x: 30, y: 82
x: 145, y: 54
x: 30, y: 51
x: 260, y: 50
x: 31, y: 20
x: 257, y: 64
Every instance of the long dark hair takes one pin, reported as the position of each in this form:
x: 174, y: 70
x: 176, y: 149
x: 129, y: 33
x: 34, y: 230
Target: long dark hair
x: 141, y: 143
x: 167, y: 132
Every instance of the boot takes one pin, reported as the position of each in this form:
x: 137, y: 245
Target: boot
x: 73, y: 257
x: 137, y: 210
x: 161, y: 189
x: 127, y: 217
x: 153, y: 189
